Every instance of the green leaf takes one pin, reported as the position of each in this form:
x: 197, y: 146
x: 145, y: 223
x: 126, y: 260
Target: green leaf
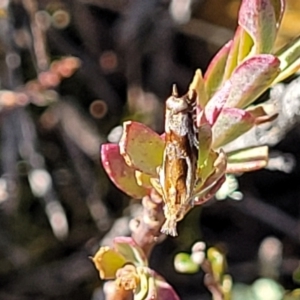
x: 231, y: 123
x: 232, y: 59
x: 119, y: 172
x: 209, y: 190
x: 207, y: 187
x: 246, y: 160
x: 207, y: 167
x: 127, y: 247
x: 213, y: 76
x: 217, y: 261
x: 258, y: 19
x: 146, y: 284
x: 289, y: 57
x: 216, y: 104
x: 248, y: 154
x: 279, y: 7
x: 251, y: 78
x: 248, y: 166
x: 205, y: 139
x: 141, y: 147
x: 198, y: 85
x: 263, y: 112
x: 245, y: 46
x: 107, y: 261
x: 183, y: 263
x: 143, y: 179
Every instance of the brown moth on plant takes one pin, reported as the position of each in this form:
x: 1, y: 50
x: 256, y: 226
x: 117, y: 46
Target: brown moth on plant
x: 223, y: 111
x: 177, y: 175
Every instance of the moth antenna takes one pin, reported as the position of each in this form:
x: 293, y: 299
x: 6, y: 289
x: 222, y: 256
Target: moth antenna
x: 174, y: 90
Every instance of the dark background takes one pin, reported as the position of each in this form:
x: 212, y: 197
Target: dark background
x: 131, y: 52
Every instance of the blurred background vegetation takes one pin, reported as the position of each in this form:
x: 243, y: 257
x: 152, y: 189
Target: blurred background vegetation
x: 71, y: 71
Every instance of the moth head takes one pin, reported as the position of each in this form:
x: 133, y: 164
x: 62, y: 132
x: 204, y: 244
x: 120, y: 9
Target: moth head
x: 177, y: 104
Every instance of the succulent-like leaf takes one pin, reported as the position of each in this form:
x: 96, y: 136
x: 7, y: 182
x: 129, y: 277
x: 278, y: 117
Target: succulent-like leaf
x: 205, y: 138
x: 164, y: 290
x: 184, y: 264
x: 263, y: 112
x: 214, y: 74
x: 241, y: 167
x: 248, y: 154
x: 258, y: 19
x: 232, y: 59
x: 204, y: 190
x: 217, y: 261
x: 143, y: 179
x: 289, y: 57
x: 151, y: 289
x: 279, y: 7
x: 146, y: 284
x: 127, y: 247
x: 232, y: 123
x: 107, y: 261
x: 251, y: 78
x: 141, y: 147
x: 216, y: 104
x: 209, y: 191
x: 198, y: 85
x: 207, y: 167
x: 246, y: 160
x: 119, y: 172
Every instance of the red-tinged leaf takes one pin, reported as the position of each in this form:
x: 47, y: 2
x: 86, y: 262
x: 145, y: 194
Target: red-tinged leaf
x: 203, y: 189
x: 251, y: 79
x: 119, y: 172
x: 141, y: 147
x: 237, y: 168
x: 279, y: 7
x: 232, y: 123
x: 210, y: 191
x: 164, y: 290
x: 127, y: 247
x: 263, y: 113
x: 213, y: 76
x: 248, y: 155
x: 261, y: 110
x: 216, y: 103
x: 249, y: 159
x: 198, y: 86
x: 258, y: 18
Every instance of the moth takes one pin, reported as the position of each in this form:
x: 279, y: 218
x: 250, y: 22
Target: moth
x: 177, y: 175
